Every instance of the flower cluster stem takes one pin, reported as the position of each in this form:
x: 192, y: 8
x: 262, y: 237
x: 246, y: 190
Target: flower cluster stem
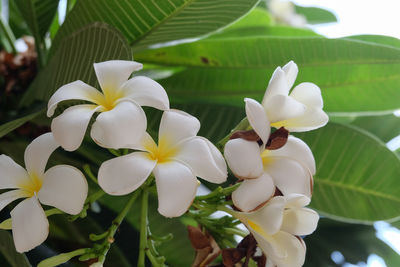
x: 143, y: 228
x: 115, y: 225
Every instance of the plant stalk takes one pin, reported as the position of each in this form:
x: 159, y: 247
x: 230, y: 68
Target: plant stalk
x: 143, y: 228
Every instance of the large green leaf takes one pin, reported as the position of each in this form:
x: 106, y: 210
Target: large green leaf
x: 75, y: 57
x: 354, y: 76
x: 377, y: 39
x: 315, y: 15
x: 357, y: 175
x: 384, y: 127
x: 145, y: 23
x: 7, y: 249
x: 354, y: 241
x: 12, y: 125
x: 38, y: 14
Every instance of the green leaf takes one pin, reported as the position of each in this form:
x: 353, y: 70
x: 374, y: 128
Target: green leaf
x: 7, y: 248
x: 377, y: 39
x: 145, y: 23
x: 315, y: 15
x: 357, y: 175
x: 38, y: 14
x: 355, y: 77
x: 75, y: 57
x: 12, y: 125
x: 384, y: 127
x: 355, y: 242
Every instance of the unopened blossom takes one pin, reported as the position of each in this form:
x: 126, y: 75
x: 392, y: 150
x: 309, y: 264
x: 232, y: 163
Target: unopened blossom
x: 61, y: 186
x: 297, y: 111
x: 175, y: 162
x: 289, y: 168
x: 277, y: 226
x: 119, y: 104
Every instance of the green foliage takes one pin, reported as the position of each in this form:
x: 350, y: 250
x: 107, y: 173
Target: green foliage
x: 357, y: 175
x: 315, y: 15
x: 12, y: 125
x: 355, y: 77
x: 384, y: 127
x: 75, y: 57
x: 38, y: 14
x: 7, y: 249
x: 144, y: 23
x: 356, y: 242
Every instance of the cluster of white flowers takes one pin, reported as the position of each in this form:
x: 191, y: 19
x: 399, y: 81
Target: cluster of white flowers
x: 179, y: 157
x: 277, y: 184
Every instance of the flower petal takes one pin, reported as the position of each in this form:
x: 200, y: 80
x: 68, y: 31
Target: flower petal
x: 298, y: 150
x: 30, y: 226
x: 297, y: 200
x: 243, y: 158
x: 8, y: 197
x: 11, y: 174
x: 204, y: 159
x: 309, y: 94
x: 176, y: 188
x: 177, y: 125
x: 122, y: 175
x: 291, y: 70
x: 65, y: 188
x: 278, y: 85
x: 146, y: 92
x: 75, y: 90
x: 300, y: 221
x: 258, y: 120
x: 313, y: 118
x: 38, y: 152
x: 289, y: 176
x: 70, y: 127
x: 294, y: 248
x: 281, y: 108
x: 253, y: 192
x: 269, y: 217
x: 112, y: 74
x: 123, y: 125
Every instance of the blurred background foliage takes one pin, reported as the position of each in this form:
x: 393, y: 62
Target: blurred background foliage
x: 209, y: 55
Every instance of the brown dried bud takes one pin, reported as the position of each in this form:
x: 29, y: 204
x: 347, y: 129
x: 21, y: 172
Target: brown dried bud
x: 204, y: 244
x: 250, y: 135
x: 277, y: 139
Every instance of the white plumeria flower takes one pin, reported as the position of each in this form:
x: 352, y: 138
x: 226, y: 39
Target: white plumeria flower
x: 119, y: 103
x: 277, y: 227
x: 178, y: 158
x: 61, y: 186
x: 299, y: 111
x: 285, y: 12
x: 289, y: 168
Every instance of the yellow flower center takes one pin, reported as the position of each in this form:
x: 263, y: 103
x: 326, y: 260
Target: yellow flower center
x: 33, y: 185
x: 257, y: 228
x: 162, y: 153
x: 266, y: 159
x: 108, y: 100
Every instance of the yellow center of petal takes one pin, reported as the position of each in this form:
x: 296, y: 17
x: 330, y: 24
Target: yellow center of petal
x: 257, y: 228
x: 33, y: 185
x: 108, y: 100
x: 162, y: 153
x: 266, y: 159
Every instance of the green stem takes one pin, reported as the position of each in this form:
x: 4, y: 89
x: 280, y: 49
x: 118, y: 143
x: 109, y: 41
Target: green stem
x: 5, y: 28
x: 219, y: 191
x: 89, y: 173
x: 235, y: 231
x: 95, y: 196
x: 115, y: 225
x: 143, y: 228
x: 243, y: 125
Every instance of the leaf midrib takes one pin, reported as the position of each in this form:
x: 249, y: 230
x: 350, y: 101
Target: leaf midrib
x: 161, y: 22
x: 358, y: 189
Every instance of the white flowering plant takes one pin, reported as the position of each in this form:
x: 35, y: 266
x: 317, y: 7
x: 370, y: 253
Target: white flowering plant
x: 232, y: 137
